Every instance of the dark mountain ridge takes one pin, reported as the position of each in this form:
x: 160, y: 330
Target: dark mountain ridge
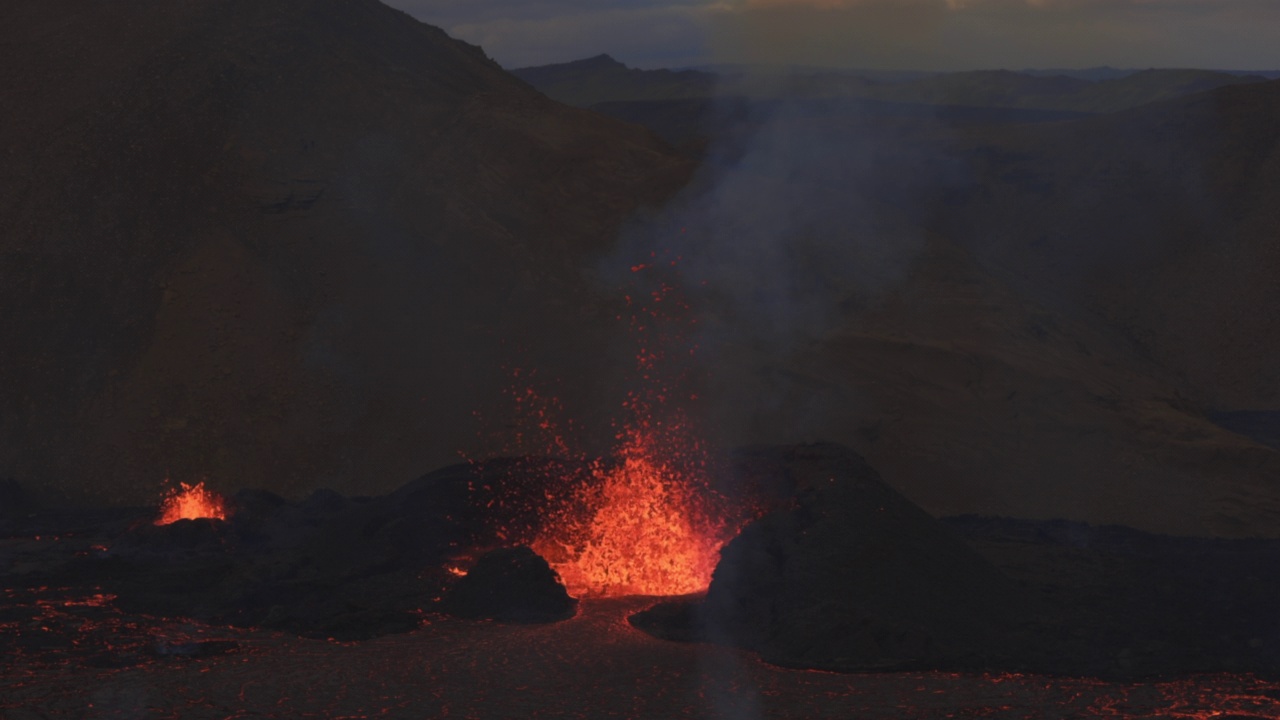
x: 604, y: 79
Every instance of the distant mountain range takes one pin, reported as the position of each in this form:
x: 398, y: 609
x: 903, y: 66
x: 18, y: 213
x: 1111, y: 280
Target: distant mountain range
x: 1094, y: 74
x: 602, y: 79
x: 1109, y: 73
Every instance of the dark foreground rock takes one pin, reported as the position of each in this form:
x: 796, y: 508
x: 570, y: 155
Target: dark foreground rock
x: 850, y: 576
x: 328, y: 566
x: 510, y: 585
x: 1118, y: 602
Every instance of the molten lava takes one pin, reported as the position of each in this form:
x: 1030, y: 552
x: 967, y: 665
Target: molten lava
x: 648, y: 521
x: 190, y: 502
x: 645, y: 521
x: 644, y: 530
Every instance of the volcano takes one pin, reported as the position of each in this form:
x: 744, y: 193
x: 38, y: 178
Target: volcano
x: 302, y: 249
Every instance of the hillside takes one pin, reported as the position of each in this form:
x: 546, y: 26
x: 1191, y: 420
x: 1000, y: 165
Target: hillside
x: 1150, y: 86
x: 1036, y: 319
x: 1161, y: 217
x: 602, y: 79
x: 284, y: 243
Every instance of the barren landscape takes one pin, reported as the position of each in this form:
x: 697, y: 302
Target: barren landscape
x: 345, y: 372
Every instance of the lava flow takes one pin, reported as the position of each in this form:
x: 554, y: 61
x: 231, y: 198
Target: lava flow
x: 647, y: 521
x: 190, y: 502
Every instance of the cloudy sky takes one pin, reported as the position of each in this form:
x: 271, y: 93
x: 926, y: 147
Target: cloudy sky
x: 880, y: 34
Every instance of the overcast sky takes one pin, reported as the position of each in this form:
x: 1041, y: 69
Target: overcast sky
x: 880, y: 34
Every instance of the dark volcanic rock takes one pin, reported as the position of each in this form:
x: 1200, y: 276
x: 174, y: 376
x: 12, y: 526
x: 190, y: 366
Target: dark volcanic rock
x: 510, y: 585
x: 844, y: 575
x: 13, y: 498
x: 851, y: 576
x: 15, y: 504
x: 329, y: 566
x: 200, y: 534
x: 1124, y: 603
x: 193, y: 648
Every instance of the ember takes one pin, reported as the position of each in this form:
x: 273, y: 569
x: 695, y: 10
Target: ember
x: 190, y: 502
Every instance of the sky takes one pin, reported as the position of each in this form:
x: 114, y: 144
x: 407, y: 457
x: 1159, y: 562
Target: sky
x: 870, y: 34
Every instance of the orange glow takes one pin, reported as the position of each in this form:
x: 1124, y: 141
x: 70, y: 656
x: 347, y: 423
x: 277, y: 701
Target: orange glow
x: 190, y: 502
x: 643, y: 530
x: 648, y: 522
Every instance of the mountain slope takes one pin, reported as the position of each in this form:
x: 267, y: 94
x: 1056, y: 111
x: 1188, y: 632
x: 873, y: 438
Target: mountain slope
x: 1023, y: 319
x: 283, y: 243
x: 1162, y: 218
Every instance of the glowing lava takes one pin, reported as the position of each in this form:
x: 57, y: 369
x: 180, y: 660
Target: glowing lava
x: 644, y: 530
x: 648, y: 522
x: 190, y: 502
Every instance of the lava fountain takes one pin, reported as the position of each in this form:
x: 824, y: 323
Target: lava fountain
x: 646, y: 527
x: 647, y: 520
x: 190, y: 502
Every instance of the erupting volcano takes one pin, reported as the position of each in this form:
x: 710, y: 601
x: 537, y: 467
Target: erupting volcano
x: 645, y: 527
x: 647, y: 520
x: 190, y: 502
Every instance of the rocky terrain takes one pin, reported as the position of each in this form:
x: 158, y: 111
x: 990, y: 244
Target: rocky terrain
x: 839, y: 573
x: 851, y: 577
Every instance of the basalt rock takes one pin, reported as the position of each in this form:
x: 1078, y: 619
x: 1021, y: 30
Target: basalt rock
x: 510, y: 585
x: 849, y: 576
x: 330, y: 566
x: 13, y: 497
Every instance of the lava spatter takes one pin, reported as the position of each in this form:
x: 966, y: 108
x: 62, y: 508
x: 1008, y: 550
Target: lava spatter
x: 191, y: 502
x: 645, y: 520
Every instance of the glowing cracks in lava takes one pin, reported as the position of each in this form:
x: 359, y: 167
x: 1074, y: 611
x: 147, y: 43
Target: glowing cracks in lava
x: 189, y: 502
